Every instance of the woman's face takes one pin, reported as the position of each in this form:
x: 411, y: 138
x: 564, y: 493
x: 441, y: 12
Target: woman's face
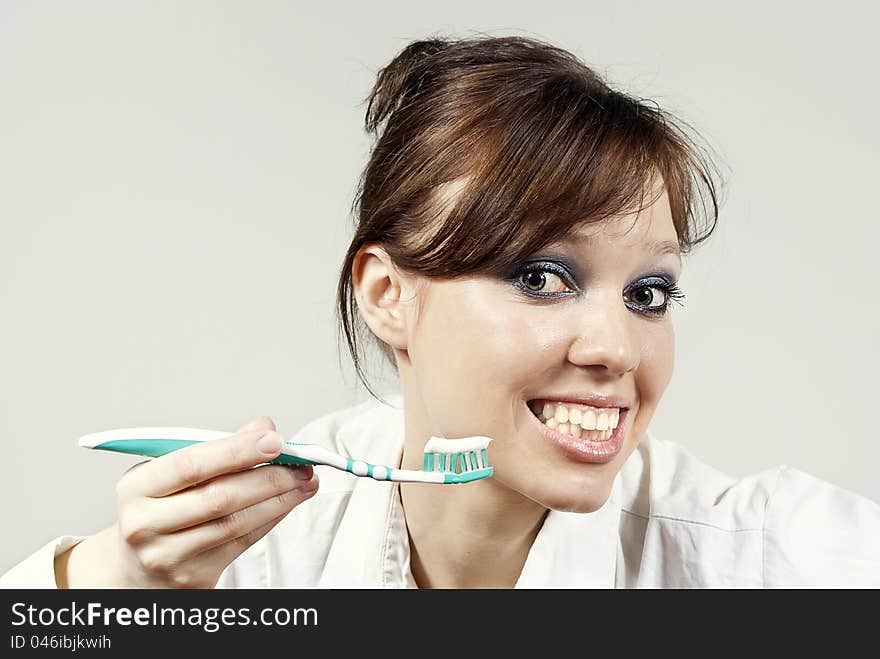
x: 479, y: 349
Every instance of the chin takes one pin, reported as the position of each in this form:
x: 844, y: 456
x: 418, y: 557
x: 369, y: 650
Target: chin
x: 572, y: 499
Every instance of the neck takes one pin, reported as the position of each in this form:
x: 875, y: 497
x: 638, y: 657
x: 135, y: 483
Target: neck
x: 475, y: 535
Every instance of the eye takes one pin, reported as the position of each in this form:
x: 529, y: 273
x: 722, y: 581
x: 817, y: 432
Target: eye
x: 543, y: 281
x: 646, y: 296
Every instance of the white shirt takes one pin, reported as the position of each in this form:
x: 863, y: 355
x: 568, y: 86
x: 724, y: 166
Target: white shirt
x: 670, y: 522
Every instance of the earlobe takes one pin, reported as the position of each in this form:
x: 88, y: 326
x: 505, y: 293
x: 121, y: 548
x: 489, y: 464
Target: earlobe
x: 377, y: 289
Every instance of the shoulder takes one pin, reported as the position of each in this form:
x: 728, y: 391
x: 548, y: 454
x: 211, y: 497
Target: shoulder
x: 818, y: 534
x: 777, y: 527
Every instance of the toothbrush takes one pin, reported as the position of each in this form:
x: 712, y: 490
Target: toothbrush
x: 447, y: 461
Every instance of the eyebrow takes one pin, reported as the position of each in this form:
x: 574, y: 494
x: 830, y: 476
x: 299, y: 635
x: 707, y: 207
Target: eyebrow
x: 661, y: 247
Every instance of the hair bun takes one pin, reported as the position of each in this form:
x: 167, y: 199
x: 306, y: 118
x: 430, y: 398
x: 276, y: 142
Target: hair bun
x: 402, y: 77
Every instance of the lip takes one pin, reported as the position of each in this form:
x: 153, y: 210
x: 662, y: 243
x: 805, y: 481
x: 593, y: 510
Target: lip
x: 580, y: 448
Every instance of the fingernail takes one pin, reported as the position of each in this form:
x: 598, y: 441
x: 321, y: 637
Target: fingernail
x: 269, y: 444
x: 311, y: 485
x: 302, y: 472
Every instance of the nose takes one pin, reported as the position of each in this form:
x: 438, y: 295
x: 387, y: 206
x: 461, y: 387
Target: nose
x: 604, y: 337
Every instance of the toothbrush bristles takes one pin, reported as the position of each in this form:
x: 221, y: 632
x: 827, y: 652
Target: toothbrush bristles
x: 456, y: 455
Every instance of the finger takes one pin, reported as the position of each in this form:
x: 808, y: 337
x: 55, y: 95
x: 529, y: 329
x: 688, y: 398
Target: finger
x: 198, y: 539
x: 226, y: 553
x: 222, y: 496
x: 201, y: 462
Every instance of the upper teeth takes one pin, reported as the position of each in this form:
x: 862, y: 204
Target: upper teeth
x: 588, y: 418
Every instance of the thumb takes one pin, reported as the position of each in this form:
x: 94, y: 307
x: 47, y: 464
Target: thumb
x: 259, y: 423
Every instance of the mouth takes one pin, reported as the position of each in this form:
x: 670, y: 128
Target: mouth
x: 591, y: 446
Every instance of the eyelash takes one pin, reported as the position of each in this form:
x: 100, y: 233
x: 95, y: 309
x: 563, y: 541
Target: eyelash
x: 672, y: 293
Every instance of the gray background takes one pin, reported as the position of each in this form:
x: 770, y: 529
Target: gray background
x: 175, y: 183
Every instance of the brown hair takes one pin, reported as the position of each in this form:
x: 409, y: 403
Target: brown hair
x: 488, y: 149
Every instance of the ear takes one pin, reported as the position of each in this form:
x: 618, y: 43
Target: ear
x: 382, y: 295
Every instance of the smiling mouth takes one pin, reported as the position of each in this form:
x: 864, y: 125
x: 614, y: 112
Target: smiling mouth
x: 595, y: 424
x: 591, y: 444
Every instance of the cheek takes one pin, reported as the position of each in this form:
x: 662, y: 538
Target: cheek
x: 472, y: 358
x: 658, y: 360
x: 653, y: 374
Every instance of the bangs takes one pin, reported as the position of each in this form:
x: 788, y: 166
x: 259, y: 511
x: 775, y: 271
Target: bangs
x: 534, y: 167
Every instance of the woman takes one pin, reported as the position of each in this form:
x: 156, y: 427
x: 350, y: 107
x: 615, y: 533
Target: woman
x: 519, y: 243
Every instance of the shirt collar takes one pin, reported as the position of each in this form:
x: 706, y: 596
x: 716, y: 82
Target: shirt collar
x: 574, y: 550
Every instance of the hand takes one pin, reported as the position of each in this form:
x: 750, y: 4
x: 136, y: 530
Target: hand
x: 185, y: 516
